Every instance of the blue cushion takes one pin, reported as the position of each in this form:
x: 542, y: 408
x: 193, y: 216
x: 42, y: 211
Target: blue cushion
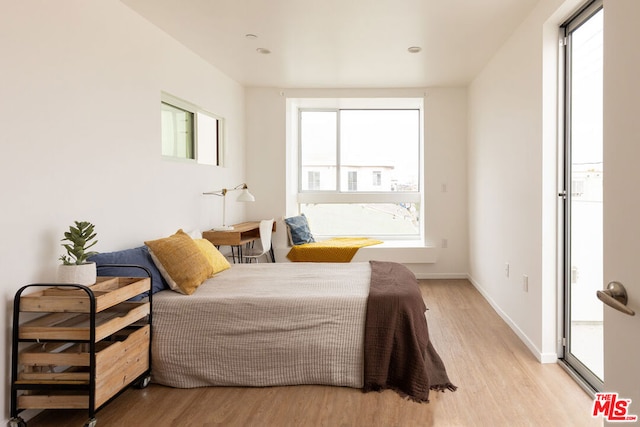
x: 299, y: 229
x: 136, y: 256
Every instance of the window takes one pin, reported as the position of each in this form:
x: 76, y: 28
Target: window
x: 189, y: 132
x: 339, y: 149
x: 377, y: 178
x: 177, y: 132
x: 577, y: 188
x: 313, y: 180
x: 353, y: 181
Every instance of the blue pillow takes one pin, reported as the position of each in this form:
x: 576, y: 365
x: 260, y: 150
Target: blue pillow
x: 136, y: 256
x: 299, y: 229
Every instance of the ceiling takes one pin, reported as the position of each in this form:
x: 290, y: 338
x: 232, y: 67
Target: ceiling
x: 340, y: 43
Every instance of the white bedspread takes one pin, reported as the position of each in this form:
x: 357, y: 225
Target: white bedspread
x: 264, y: 325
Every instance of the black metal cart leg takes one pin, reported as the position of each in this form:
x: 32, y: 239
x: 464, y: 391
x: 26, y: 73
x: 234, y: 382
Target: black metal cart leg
x: 17, y: 422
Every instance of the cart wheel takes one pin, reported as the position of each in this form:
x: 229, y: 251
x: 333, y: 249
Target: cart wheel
x: 16, y: 422
x: 143, y: 382
x: 91, y: 423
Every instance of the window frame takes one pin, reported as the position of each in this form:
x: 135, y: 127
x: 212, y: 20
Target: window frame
x: 338, y: 196
x: 214, y: 157
x: 189, y: 140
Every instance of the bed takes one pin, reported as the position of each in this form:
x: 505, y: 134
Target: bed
x: 358, y: 325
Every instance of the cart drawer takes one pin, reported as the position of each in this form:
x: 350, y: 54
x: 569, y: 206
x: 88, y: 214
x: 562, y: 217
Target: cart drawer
x: 121, y: 363
x: 68, y: 363
x: 108, y: 291
x: 46, y: 401
x: 118, y: 363
x: 75, y: 326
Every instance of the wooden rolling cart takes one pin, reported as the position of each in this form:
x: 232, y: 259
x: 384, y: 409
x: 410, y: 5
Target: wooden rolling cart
x: 80, y: 345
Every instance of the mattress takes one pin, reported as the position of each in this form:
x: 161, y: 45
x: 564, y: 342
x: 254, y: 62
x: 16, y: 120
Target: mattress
x: 264, y: 325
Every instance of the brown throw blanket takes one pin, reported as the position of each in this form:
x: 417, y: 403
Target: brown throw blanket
x: 398, y: 354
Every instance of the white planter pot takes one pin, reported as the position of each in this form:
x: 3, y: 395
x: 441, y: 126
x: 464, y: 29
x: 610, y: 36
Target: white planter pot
x: 82, y: 274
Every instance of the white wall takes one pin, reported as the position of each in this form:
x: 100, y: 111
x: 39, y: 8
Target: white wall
x: 80, y: 136
x: 513, y: 178
x: 444, y: 157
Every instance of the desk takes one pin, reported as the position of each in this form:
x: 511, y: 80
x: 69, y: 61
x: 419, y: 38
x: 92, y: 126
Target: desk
x: 242, y: 234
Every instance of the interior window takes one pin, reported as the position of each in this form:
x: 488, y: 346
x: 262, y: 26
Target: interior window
x: 177, y: 132
x: 189, y: 132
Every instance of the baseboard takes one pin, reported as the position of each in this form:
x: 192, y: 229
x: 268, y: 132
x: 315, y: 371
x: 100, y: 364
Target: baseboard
x: 541, y: 357
x: 442, y: 276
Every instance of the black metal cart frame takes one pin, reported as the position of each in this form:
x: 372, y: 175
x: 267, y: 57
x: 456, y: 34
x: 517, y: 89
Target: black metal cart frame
x: 142, y: 380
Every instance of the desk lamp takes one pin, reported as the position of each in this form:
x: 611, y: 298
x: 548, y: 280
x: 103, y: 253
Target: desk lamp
x: 244, y: 196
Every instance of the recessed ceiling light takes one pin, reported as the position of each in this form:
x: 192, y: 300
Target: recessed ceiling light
x: 414, y: 49
x: 263, y: 51
x: 251, y: 36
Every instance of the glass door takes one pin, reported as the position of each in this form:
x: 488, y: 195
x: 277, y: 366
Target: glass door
x: 582, y: 195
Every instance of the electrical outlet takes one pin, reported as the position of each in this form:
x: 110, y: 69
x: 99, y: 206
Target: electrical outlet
x: 525, y: 283
x: 506, y: 269
x: 445, y: 243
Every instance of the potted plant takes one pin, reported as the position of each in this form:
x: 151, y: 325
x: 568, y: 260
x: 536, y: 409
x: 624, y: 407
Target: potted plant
x: 75, y: 268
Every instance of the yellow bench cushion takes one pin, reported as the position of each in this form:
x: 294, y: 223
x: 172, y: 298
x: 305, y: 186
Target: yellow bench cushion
x: 337, y: 249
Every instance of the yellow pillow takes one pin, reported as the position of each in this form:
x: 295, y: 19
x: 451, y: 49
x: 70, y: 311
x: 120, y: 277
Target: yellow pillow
x: 180, y: 262
x: 216, y: 259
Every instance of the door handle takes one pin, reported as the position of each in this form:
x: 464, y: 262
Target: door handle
x: 615, y: 296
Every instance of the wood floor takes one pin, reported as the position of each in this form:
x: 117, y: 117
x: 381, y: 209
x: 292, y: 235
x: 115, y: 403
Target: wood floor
x: 500, y: 384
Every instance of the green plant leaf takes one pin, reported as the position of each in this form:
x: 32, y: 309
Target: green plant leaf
x: 79, y: 238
